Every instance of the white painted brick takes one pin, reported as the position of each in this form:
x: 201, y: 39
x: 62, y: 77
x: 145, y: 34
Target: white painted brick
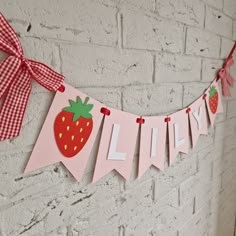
x: 215, y: 3
x: 218, y: 23
x: 83, y: 21
x: 176, y: 68
x: 197, y: 224
x: 42, y: 51
x: 231, y: 109
x: 202, y: 43
x: 123, y: 4
x: 205, y: 141
x: 210, y: 68
x: 111, y: 98
x: 143, y: 4
x: 153, y: 99
x: 230, y: 8
x: 226, y: 47
x: 205, y: 159
x: 187, y: 190
x: 234, y: 29
x: 86, y: 66
x: 143, y: 31
x: 193, y: 91
x: 186, y: 11
x: 224, y: 129
x: 184, y: 167
x: 229, y: 144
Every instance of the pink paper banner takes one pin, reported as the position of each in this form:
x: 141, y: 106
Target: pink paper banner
x: 117, y: 144
x: 198, y: 120
x: 213, y: 101
x: 152, y: 144
x: 178, y: 134
x: 64, y: 140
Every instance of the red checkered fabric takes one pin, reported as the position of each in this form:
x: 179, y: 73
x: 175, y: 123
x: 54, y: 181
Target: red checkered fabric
x: 15, y: 81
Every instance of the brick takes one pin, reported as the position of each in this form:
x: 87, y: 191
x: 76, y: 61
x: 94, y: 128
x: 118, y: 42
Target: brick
x: 42, y: 51
x: 205, y: 158
x: 93, y: 23
x: 176, y: 68
x: 234, y: 29
x: 231, y: 109
x: 202, y: 43
x: 229, y: 144
x: 187, y: 190
x: 215, y: 3
x: 204, y: 141
x: 230, y: 8
x: 226, y: 47
x: 193, y: 91
x: 183, y: 168
x: 142, y: 4
x: 153, y: 99
x: 110, y: 97
x: 210, y: 68
x: 224, y: 129
x: 86, y: 66
x: 143, y: 31
x: 197, y: 225
x: 188, y: 12
x: 218, y: 23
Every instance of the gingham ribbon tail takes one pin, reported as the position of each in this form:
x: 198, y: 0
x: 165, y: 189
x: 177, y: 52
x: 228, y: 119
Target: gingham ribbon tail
x: 226, y: 79
x: 15, y: 81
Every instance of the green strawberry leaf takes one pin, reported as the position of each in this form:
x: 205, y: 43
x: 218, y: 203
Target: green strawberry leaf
x: 212, y: 91
x: 80, y: 109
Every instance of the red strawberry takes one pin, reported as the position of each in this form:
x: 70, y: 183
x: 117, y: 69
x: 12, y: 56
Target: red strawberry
x: 213, y: 99
x: 73, y: 126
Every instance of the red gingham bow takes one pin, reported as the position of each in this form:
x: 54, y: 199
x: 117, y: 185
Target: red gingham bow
x: 226, y: 79
x: 15, y: 81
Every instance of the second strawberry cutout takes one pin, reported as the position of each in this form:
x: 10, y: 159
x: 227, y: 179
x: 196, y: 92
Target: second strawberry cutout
x: 73, y: 127
x: 213, y: 99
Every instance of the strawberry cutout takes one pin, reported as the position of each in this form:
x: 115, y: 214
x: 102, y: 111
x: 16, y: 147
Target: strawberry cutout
x: 73, y: 126
x: 213, y: 99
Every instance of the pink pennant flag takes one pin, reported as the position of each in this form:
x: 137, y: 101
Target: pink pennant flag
x: 152, y: 144
x: 198, y: 120
x: 178, y: 128
x: 117, y: 144
x: 213, y: 101
x: 68, y: 133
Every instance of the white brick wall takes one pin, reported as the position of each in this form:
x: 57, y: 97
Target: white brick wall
x: 147, y: 57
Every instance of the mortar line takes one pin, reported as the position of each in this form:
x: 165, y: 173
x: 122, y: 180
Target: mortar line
x: 120, y: 29
x: 154, y: 69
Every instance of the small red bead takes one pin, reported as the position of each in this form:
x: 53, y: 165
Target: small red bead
x: 140, y: 120
x: 167, y: 119
x: 61, y: 88
x: 105, y: 111
x: 204, y: 97
x: 188, y: 110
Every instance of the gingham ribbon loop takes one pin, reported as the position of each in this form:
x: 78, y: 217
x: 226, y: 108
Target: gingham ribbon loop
x: 15, y: 81
x: 226, y: 78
